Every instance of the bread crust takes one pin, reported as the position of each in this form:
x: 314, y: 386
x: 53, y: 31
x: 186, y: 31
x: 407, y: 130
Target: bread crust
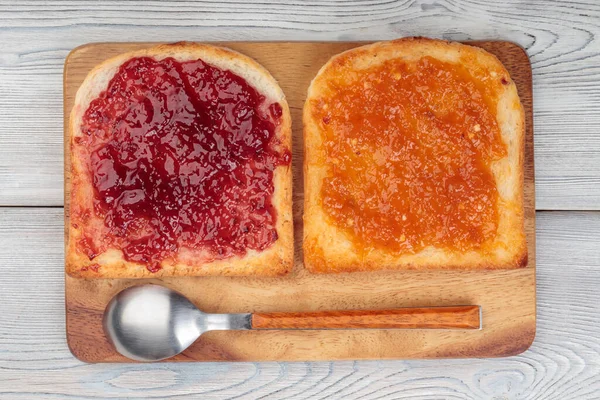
x: 328, y: 249
x: 275, y: 260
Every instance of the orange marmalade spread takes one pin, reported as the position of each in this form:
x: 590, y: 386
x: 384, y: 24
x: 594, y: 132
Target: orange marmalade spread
x: 408, y: 150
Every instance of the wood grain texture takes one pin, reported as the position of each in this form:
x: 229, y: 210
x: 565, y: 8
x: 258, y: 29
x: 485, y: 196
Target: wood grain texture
x: 458, y: 317
x: 508, y: 324
x: 563, y: 362
x: 561, y: 37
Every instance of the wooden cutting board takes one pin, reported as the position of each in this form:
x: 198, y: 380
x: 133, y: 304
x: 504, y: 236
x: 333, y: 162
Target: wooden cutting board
x: 507, y: 297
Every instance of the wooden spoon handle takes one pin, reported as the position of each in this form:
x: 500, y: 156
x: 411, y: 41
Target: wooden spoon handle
x: 454, y: 317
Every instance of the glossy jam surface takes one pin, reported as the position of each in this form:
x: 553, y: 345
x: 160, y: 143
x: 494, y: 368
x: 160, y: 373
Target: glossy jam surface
x: 181, y: 154
x: 409, y: 148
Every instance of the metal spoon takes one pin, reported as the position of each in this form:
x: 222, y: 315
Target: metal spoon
x: 152, y: 322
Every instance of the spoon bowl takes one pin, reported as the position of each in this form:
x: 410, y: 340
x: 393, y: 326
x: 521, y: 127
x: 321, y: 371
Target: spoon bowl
x: 152, y: 322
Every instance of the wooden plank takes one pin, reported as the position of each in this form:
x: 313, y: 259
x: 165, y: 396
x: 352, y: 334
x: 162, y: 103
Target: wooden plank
x: 560, y: 38
x: 563, y: 363
x: 508, y: 327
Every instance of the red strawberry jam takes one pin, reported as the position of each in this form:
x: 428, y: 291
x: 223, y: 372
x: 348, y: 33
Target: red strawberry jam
x: 181, y: 154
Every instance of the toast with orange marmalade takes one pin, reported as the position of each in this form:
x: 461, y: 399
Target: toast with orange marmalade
x: 413, y: 160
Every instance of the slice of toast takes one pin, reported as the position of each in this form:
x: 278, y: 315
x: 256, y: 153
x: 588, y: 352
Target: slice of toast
x: 390, y: 157
x: 96, y: 248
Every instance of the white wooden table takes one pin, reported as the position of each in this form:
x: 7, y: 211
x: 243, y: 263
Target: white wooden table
x: 563, y: 41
